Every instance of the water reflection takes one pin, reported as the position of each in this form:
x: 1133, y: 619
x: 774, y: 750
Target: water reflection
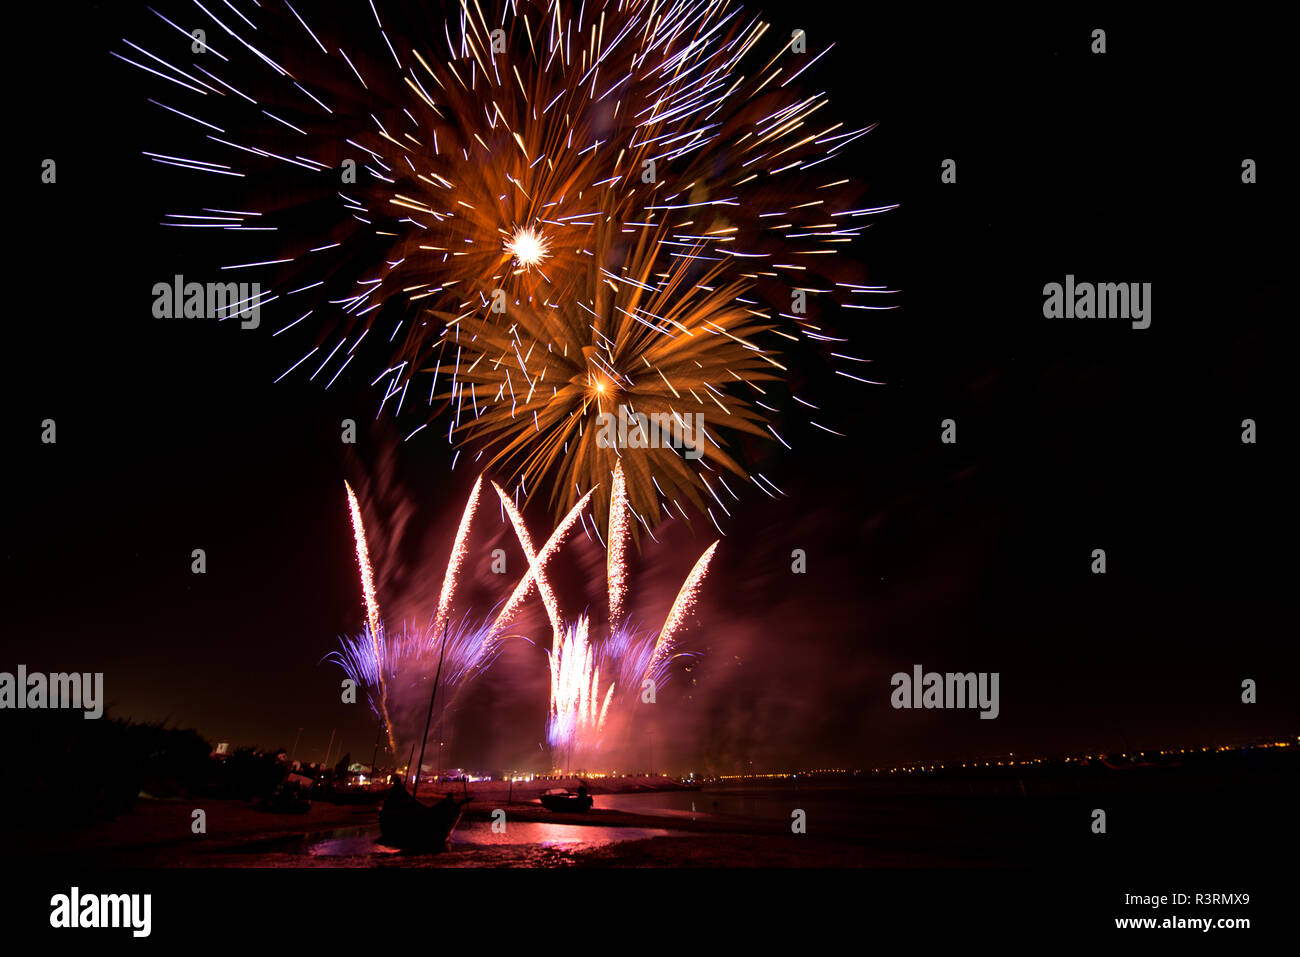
x: 570, y: 837
x: 551, y: 835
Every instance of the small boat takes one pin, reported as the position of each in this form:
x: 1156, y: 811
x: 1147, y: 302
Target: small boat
x: 405, y: 821
x: 560, y: 799
x: 408, y: 823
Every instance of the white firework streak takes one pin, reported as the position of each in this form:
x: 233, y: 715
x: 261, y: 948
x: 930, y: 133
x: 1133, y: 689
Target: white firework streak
x: 363, y: 561
x: 360, y: 659
x: 526, y: 543
x: 414, y: 649
x: 576, y: 709
x: 537, y: 563
x: 457, y: 557
x: 372, y: 659
x: 626, y: 652
x: 615, y: 565
x: 682, y: 605
x: 372, y: 606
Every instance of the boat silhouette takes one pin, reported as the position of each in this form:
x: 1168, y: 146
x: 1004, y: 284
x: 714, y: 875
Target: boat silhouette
x: 410, y: 824
x: 405, y: 821
x: 560, y: 799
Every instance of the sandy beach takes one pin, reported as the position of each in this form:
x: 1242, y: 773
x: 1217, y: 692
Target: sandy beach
x: 1003, y: 821
x: 159, y: 833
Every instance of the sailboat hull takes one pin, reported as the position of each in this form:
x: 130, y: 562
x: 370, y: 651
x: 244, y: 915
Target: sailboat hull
x: 412, y: 825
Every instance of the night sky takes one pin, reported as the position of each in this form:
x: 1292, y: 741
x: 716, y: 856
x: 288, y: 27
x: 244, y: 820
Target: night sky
x: 1072, y: 435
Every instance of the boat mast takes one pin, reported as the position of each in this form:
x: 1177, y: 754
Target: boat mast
x: 429, y: 719
x: 374, y: 755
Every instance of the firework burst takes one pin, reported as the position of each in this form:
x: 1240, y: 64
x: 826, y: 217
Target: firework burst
x: 390, y: 666
x: 619, y: 196
x: 404, y: 658
x: 643, y: 372
x: 578, y: 709
x: 589, y: 677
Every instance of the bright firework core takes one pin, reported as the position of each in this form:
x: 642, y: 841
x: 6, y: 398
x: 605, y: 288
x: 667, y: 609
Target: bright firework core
x: 527, y: 246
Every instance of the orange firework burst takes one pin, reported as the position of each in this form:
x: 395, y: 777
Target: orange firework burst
x: 614, y: 198
x: 528, y: 246
x: 644, y: 370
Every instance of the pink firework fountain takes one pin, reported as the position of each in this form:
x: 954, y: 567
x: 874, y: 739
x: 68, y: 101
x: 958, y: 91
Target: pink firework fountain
x: 591, y: 681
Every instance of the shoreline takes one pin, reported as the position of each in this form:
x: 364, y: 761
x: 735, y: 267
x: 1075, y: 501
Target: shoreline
x: 714, y: 827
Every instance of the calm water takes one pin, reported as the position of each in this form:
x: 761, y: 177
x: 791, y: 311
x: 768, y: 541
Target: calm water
x: 840, y: 809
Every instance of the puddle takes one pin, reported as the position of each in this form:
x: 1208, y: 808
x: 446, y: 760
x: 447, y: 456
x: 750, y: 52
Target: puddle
x: 355, y: 842
x: 554, y: 835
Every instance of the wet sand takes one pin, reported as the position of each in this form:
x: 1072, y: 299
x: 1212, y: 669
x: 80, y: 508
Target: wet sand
x: 158, y: 834
x: 651, y: 825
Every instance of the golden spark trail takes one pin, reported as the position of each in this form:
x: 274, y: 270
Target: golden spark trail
x: 537, y: 564
x: 682, y: 605
x: 372, y: 605
x: 576, y: 706
x: 457, y: 557
x: 615, y: 565
x: 526, y: 543
x: 363, y: 560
